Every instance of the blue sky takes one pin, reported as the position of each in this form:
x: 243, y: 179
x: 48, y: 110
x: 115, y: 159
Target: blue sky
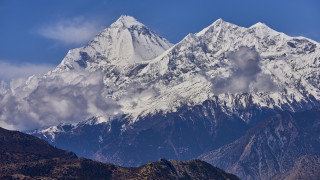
x: 40, y: 32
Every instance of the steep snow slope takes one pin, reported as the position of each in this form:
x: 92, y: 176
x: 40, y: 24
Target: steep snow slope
x: 126, y: 41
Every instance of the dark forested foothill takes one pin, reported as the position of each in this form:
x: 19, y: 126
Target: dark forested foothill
x: 27, y: 157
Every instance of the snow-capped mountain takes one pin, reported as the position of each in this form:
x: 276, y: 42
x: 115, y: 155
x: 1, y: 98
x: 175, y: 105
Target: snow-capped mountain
x: 150, y: 99
x: 211, y: 64
x: 87, y: 81
x: 125, y: 42
x: 201, y: 67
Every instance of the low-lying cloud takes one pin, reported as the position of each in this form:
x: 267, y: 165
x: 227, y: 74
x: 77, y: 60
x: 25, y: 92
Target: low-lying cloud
x: 50, y: 101
x: 136, y: 93
x: 73, y: 31
x: 246, y: 74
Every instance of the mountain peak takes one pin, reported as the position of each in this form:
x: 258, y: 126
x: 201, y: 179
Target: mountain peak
x: 218, y: 23
x: 262, y: 29
x: 126, y: 41
x: 126, y: 21
x: 259, y: 25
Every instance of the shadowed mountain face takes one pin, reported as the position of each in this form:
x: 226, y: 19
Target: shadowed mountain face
x: 180, y: 135
x: 27, y: 157
x: 271, y: 147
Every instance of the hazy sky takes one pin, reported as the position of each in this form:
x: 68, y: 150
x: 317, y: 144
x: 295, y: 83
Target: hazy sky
x: 40, y: 32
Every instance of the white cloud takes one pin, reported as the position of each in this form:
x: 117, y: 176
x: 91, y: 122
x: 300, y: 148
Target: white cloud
x: 70, y: 31
x: 246, y: 74
x: 10, y: 71
x: 48, y: 101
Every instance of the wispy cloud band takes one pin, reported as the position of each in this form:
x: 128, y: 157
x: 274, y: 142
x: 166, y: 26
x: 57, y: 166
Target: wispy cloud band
x: 70, y: 31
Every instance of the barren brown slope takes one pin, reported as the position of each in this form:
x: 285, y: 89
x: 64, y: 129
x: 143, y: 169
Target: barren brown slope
x: 308, y: 167
x: 271, y: 147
